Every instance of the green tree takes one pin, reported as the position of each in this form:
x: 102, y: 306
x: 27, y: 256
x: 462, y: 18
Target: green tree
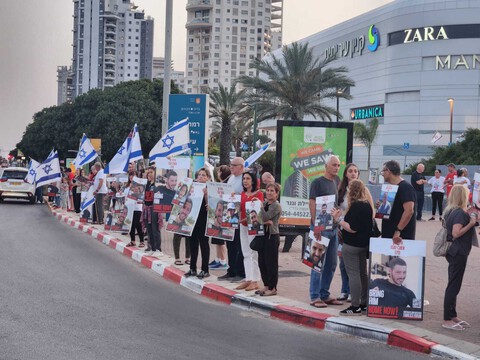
x: 295, y: 84
x: 226, y: 105
x: 366, y: 133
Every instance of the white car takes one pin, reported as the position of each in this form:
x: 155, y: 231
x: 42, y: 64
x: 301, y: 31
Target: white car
x: 14, y: 186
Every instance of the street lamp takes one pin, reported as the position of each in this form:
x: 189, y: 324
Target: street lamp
x: 451, y: 101
x: 338, y: 93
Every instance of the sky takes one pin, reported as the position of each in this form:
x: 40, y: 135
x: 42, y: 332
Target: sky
x: 36, y: 37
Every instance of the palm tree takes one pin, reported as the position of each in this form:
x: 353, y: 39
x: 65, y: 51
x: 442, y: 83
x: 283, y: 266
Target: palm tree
x: 225, y: 106
x: 241, y: 125
x: 294, y: 85
x: 366, y: 133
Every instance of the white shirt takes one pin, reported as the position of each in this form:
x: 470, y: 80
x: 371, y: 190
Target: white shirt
x: 437, y: 184
x: 462, y: 180
x: 236, y: 181
x: 100, y: 175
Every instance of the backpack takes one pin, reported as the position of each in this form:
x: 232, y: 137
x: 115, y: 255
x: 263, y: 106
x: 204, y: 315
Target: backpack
x: 440, y: 244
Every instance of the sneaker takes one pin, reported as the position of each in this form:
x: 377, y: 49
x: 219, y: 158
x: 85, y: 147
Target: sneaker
x: 156, y: 253
x: 148, y: 253
x: 202, y: 274
x: 351, y: 311
x: 431, y: 219
x: 363, y: 308
x: 214, y: 265
x: 222, y: 266
x: 190, y: 273
x: 343, y: 297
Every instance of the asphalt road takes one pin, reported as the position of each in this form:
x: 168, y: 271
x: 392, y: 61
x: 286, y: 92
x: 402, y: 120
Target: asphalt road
x: 67, y: 296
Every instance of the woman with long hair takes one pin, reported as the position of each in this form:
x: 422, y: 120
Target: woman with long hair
x: 356, y: 231
x: 151, y: 220
x: 137, y: 215
x: 460, y: 228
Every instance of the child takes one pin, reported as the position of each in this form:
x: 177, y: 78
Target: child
x: 64, y: 193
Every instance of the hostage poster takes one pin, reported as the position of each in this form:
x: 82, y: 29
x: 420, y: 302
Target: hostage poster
x: 397, y: 274
x: 303, y: 149
x: 315, y: 249
x: 216, y: 210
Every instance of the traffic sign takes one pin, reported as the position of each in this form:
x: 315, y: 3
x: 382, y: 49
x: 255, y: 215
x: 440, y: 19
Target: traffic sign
x: 406, y: 146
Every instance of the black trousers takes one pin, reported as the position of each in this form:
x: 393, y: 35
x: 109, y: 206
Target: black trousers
x: 420, y: 201
x: 136, y: 225
x: 456, y: 269
x: 77, y: 200
x: 288, y: 242
x: 198, y: 239
x: 437, y: 199
x: 268, y: 262
x: 235, y: 256
x: 177, y: 238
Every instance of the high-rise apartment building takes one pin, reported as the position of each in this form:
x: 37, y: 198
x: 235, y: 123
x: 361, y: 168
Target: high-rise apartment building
x: 158, y: 72
x: 112, y: 42
x: 224, y: 36
x: 65, y: 84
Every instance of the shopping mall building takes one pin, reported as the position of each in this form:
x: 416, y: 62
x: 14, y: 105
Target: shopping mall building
x: 408, y: 58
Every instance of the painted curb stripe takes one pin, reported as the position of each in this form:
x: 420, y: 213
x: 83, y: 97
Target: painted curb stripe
x: 409, y: 341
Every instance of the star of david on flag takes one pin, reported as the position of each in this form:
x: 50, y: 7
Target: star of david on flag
x: 176, y: 141
x: 168, y: 141
x: 86, y: 152
x: 30, y: 178
x: 49, y: 171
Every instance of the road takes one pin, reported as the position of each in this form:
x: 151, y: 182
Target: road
x: 66, y: 296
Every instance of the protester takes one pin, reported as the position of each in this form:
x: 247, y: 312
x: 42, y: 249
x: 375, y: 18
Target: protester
x: 150, y: 218
x: 462, y: 178
x: 268, y: 256
x: 64, y: 193
x: 137, y: 215
x: 198, y: 238
x: 100, y: 186
x: 438, y: 191
x: 401, y: 224
x: 320, y: 283
x: 76, y: 191
x: 460, y: 226
x: 236, y: 270
x: 418, y: 182
x: 250, y: 257
x: 356, y: 232
x: 220, y: 261
x: 452, y: 173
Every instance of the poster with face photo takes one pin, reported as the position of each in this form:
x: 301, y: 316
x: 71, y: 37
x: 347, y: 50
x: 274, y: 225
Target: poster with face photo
x: 315, y: 250
x: 323, y: 216
x: 182, y: 190
x: 120, y: 216
x: 231, y: 210
x: 137, y: 189
x: 216, y: 209
x: 254, y: 221
x: 183, y: 217
x: 397, y: 275
x: 385, y: 203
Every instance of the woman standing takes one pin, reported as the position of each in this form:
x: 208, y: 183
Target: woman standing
x: 460, y: 226
x: 250, y: 257
x: 76, y: 190
x: 356, y: 231
x: 268, y: 256
x: 198, y: 238
x: 137, y: 214
x: 438, y: 192
x: 150, y: 217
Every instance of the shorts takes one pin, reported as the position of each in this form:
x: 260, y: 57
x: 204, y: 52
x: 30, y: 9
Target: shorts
x: 217, y: 241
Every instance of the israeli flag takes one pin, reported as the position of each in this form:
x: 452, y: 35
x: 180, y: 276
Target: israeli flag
x: 254, y: 157
x: 49, y: 171
x: 52, y: 154
x: 89, y: 199
x: 119, y: 163
x: 32, y: 171
x: 176, y: 141
x: 136, y: 151
x: 86, y: 152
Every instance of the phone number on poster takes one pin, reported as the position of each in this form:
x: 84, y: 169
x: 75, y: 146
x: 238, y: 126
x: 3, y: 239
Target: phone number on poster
x: 296, y: 213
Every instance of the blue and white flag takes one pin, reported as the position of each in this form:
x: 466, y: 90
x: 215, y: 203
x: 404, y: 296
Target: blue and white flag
x: 89, y: 198
x: 49, y: 171
x: 136, y: 150
x: 119, y: 163
x: 86, y: 152
x: 243, y: 146
x: 32, y: 171
x: 52, y: 154
x: 254, y: 157
x: 176, y: 141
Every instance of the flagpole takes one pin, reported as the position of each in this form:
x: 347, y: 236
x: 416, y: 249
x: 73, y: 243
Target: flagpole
x: 168, y: 64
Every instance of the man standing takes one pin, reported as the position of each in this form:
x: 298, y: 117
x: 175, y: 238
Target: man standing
x: 452, y: 173
x: 418, y: 181
x: 401, y: 223
x: 100, y: 186
x: 235, y: 256
x: 320, y: 282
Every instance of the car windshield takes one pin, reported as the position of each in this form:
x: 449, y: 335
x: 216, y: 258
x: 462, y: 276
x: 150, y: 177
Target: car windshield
x: 14, y: 174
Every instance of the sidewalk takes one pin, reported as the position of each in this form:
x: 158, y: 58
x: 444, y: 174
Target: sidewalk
x: 292, y: 303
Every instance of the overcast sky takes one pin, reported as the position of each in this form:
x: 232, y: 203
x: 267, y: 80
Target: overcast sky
x: 36, y: 37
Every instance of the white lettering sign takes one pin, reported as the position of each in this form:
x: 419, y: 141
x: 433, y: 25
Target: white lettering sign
x: 428, y: 33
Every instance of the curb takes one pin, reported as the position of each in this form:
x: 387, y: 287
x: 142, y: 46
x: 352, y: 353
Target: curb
x: 312, y: 319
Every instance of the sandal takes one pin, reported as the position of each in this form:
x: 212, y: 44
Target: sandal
x: 130, y: 244
x: 464, y: 324
x: 332, y: 301
x: 142, y: 245
x: 456, y: 327
x: 178, y: 262
x: 318, y: 304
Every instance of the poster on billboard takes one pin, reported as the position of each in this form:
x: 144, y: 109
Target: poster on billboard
x: 303, y: 148
x: 195, y: 107
x: 397, y: 275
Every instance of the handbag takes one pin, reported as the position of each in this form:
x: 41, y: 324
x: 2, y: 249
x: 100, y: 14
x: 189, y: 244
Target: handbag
x: 257, y: 243
x: 441, y: 243
x: 375, y: 230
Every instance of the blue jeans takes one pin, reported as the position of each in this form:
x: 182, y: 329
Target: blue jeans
x: 320, y: 282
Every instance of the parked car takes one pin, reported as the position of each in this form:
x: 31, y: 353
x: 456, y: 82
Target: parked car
x: 14, y: 186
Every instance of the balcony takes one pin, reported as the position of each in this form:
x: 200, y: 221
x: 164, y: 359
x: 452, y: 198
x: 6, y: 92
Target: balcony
x: 199, y: 23
x: 110, y: 15
x: 193, y: 5
x: 110, y: 58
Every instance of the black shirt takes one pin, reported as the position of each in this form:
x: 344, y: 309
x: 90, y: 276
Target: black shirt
x: 463, y: 244
x: 405, y: 193
x: 359, y: 217
x: 415, y: 177
x: 393, y: 295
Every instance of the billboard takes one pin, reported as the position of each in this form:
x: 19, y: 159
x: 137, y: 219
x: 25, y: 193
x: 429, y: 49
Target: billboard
x: 303, y: 148
x: 195, y: 107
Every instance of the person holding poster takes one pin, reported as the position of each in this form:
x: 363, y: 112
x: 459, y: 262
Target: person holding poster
x: 250, y: 258
x: 461, y: 227
x: 320, y: 282
x: 401, y: 223
x: 438, y: 192
x: 150, y: 218
x: 99, y: 191
x: 137, y: 214
x: 255, y: 224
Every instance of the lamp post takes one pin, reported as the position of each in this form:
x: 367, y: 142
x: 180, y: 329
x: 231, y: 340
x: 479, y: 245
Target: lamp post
x: 255, y: 128
x: 451, y: 101
x: 337, y: 94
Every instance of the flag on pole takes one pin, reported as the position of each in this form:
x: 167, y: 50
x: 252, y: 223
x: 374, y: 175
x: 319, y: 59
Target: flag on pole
x: 243, y: 146
x: 254, y: 157
x: 89, y: 198
x: 49, y: 171
x: 437, y: 136
x: 176, y: 141
x: 119, y: 162
x: 86, y: 152
x: 52, y: 154
x: 32, y: 171
x: 136, y: 150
